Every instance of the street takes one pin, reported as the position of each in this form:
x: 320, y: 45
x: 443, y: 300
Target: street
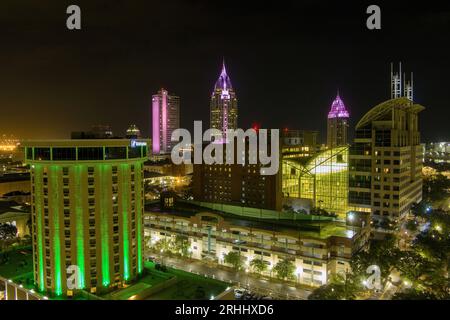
x: 261, y: 286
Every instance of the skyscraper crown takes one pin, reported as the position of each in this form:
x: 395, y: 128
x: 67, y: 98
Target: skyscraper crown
x: 224, y: 82
x: 338, y: 109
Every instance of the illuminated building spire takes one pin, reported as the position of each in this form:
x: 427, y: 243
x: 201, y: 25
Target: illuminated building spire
x: 224, y: 82
x: 223, y: 105
x: 338, y: 109
x: 337, y: 123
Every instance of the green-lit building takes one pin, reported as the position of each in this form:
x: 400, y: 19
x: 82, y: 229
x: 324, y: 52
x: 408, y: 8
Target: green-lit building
x: 322, y: 179
x: 87, y: 209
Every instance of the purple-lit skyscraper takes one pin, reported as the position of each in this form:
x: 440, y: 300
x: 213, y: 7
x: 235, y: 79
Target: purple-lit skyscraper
x: 165, y: 119
x: 223, y: 106
x: 337, y: 124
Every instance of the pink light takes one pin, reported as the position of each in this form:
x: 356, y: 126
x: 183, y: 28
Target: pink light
x: 164, y: 119
x: 338, y: 109
x: 155, y: 125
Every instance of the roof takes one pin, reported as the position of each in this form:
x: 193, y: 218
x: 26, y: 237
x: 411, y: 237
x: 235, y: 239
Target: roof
x: 224, y: 82
x: 12, y: 177
x: 309, y: 165
x: 385, y: 107
x: 338, y: 109
x: 312, y: 229
x: 81, y: 142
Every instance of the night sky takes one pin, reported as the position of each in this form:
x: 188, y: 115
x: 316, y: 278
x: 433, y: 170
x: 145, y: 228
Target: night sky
x: 286, y: 60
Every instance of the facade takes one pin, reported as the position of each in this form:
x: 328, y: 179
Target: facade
x: 337, y: 124
x: 386, y: 161
x: 237, y: 184
x: 165, y: 119
x: 223, y: 105
x: 298, y: 143
x: 316, y: 255
x: 87, y: 207
x: 322, y: 179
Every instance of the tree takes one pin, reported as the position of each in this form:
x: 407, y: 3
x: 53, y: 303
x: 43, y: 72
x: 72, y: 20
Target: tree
x: 182, y: 245
x: 414, y: 294
x: 382, y: 253
x: 163, y: 245
x: 339, y: 287
x: 284, y: 269
x: 413, y: 266
x: 258, y: 265
x: 7, y: 231
x: 411, y: 225
x: 234, y: 258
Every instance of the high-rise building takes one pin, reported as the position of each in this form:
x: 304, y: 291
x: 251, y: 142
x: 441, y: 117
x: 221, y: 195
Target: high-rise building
x: 337, y: 124
x: 133, y: 132
x: 87, y: 207
x: 237, y: 184
x: 223, y: 106
x: 386, y: 161
x: 165, y: 119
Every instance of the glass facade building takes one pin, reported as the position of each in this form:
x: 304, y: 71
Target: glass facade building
x: 323, y: 179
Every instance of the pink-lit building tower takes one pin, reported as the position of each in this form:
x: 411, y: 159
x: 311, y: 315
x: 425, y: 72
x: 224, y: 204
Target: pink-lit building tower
x: 165, y: 119
x: 337, y: 125
x: 223, y: 106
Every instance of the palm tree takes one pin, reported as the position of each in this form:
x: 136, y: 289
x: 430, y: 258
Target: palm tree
x: 258, y: 265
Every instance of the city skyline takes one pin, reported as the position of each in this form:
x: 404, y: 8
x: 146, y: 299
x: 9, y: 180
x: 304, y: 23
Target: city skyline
x: 241, y: 150
x: 107, y: 83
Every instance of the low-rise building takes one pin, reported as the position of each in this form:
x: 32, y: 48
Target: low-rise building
x: 318, y: 250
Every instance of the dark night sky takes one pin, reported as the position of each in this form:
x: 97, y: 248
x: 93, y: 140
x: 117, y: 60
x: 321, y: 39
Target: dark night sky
x: 286, y: 59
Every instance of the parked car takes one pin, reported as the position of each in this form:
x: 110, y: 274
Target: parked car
x: 239, y: 293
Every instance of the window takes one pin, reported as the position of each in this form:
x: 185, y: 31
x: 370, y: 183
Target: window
x: 90, y: 153
x: 115, y: 153
x: 134, y: 152
x: 42, y: 153
x: 64, y: 153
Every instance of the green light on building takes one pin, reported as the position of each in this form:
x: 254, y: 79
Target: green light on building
x: 139, y: 217
x: 126, y: 245
x: 87, y: 211
x: 38, y: 207
x: 104, y: 224
x: 79, y: 171
x: 56, y: 230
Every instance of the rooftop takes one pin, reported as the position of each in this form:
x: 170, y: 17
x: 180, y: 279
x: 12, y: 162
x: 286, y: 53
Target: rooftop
x: 224, y: 82
x: 338, y: 109
x: 305, y: 226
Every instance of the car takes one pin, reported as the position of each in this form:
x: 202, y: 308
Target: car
x: 249, y: 296
x: 239, y: 293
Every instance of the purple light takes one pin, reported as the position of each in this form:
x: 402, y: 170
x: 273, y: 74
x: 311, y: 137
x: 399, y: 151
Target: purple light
x: 224, y: 82
x: 338, y: 109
